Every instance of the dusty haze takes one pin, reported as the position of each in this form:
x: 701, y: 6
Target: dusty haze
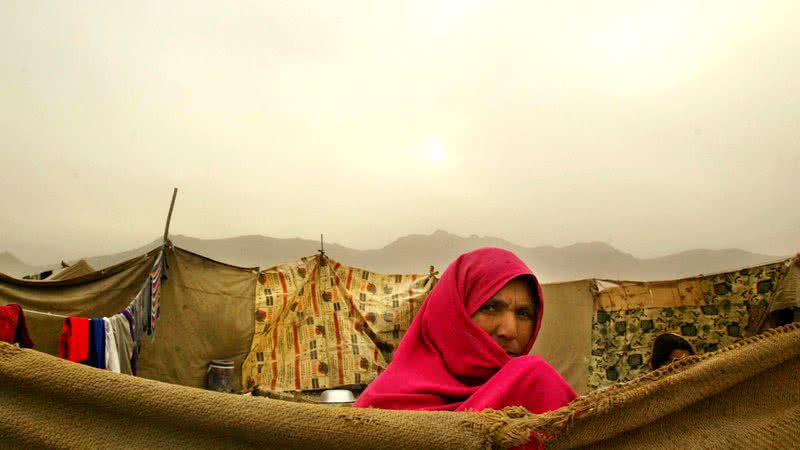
x: 656, y: 127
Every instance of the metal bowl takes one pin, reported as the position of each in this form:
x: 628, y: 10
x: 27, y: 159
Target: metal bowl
x: 337, y: 396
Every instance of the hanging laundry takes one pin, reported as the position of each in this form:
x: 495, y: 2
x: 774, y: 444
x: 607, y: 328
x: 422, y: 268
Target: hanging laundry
x: 146, y: 303
x: 124, y: 342
x: 131, y: 317
x: 112, y: 357
x: 97, y: 343
x: 155, y: 280
x: 115, y: 342
x: 74, y: 342
x: 12, y: 326
x: 9, y: 318
x: 38, y: 276
x: 130, y: 314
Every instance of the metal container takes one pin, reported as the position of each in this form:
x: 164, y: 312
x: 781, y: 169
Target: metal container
x: 220, y: 375
x: 337, y: 397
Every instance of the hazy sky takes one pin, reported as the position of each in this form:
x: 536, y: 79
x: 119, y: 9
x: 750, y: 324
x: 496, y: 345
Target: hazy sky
x: 655, y: 126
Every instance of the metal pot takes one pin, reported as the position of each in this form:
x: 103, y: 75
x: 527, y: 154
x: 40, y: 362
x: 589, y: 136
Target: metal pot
x: 337, y: 397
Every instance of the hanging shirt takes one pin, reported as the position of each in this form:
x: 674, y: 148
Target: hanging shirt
x: 137, y: 314
x: 146, y: 307
x: 74, y: 342
x: 97, y: 343
x: 112, y: 357
x: 131, y: 317
x: 124, y: 342
x: 155, y: 293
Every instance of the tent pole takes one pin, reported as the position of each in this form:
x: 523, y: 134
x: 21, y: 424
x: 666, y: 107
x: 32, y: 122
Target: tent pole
x: 169, y: 215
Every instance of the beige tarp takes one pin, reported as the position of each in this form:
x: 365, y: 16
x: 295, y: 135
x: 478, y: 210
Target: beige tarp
x: 78, y: 269
x: 565, y: 340
x: 98, y: 294
x: 206, y: 311
x: 745, y: 396
x: 206, y: 314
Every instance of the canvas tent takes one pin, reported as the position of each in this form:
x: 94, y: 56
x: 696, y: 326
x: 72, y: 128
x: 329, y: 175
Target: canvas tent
x: 97, y: 294
x: 82, y: 267
x: 206, y: 311
x: 565, y: 339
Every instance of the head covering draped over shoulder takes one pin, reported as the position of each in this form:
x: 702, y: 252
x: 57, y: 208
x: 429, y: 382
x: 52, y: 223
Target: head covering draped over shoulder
x: 447, y: 362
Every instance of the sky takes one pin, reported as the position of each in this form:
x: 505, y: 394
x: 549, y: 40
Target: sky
x: 654, y: 126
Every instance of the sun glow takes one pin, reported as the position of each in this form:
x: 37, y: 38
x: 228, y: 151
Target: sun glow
x: 436, y: 151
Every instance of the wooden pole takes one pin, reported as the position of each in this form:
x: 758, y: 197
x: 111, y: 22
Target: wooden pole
x: 322, y: 258
x: 169, y: 215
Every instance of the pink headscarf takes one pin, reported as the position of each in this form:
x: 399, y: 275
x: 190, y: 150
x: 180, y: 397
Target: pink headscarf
x: 447, y: 362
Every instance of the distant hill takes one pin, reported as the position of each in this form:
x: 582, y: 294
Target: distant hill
x: 415, y: 253
x: 11, y: 265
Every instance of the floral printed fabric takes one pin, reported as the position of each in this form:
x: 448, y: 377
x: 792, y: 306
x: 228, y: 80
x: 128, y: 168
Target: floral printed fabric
x: 320, y: 324
x: 710, y: 312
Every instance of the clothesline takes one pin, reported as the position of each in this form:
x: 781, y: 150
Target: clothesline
x: 44, y: 313
x: 113, y: 342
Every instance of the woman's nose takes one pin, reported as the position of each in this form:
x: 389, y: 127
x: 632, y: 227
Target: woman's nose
x: 507, y: 328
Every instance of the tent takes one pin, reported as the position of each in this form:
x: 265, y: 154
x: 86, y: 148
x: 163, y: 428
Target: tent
x: 710, y: 311
x: 206, y: 311
x: 565, y: 339
x: 321, y: 324
x: 78, y: 269
x: 212, y: 310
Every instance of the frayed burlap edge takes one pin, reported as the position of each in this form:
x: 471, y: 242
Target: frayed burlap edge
x: 514, y: 426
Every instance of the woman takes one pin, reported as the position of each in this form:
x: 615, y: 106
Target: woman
x: 467, y: 349
x: 669, y: 347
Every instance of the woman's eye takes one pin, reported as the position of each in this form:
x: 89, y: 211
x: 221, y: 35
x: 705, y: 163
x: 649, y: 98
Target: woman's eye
x: 524, y: 313
x: 487, y: 308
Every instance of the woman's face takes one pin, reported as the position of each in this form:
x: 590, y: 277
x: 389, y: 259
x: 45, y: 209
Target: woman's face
x: 509, y: 317
x: 677, y: 354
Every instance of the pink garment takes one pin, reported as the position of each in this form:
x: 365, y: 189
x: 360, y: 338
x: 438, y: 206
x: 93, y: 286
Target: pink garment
x: 447, y: 362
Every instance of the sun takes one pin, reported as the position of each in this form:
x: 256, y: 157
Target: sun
x: 436, y: 151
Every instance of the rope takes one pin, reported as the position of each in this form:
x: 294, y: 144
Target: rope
x: 44, y: 313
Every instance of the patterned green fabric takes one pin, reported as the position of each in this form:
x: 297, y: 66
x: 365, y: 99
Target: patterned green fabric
x: 622, y: 339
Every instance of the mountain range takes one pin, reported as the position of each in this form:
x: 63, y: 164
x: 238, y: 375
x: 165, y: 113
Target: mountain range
x: 416, y: 253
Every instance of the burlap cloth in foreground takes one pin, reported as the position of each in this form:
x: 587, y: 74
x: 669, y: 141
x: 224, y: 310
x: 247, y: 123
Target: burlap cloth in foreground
x: 744, y: 396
